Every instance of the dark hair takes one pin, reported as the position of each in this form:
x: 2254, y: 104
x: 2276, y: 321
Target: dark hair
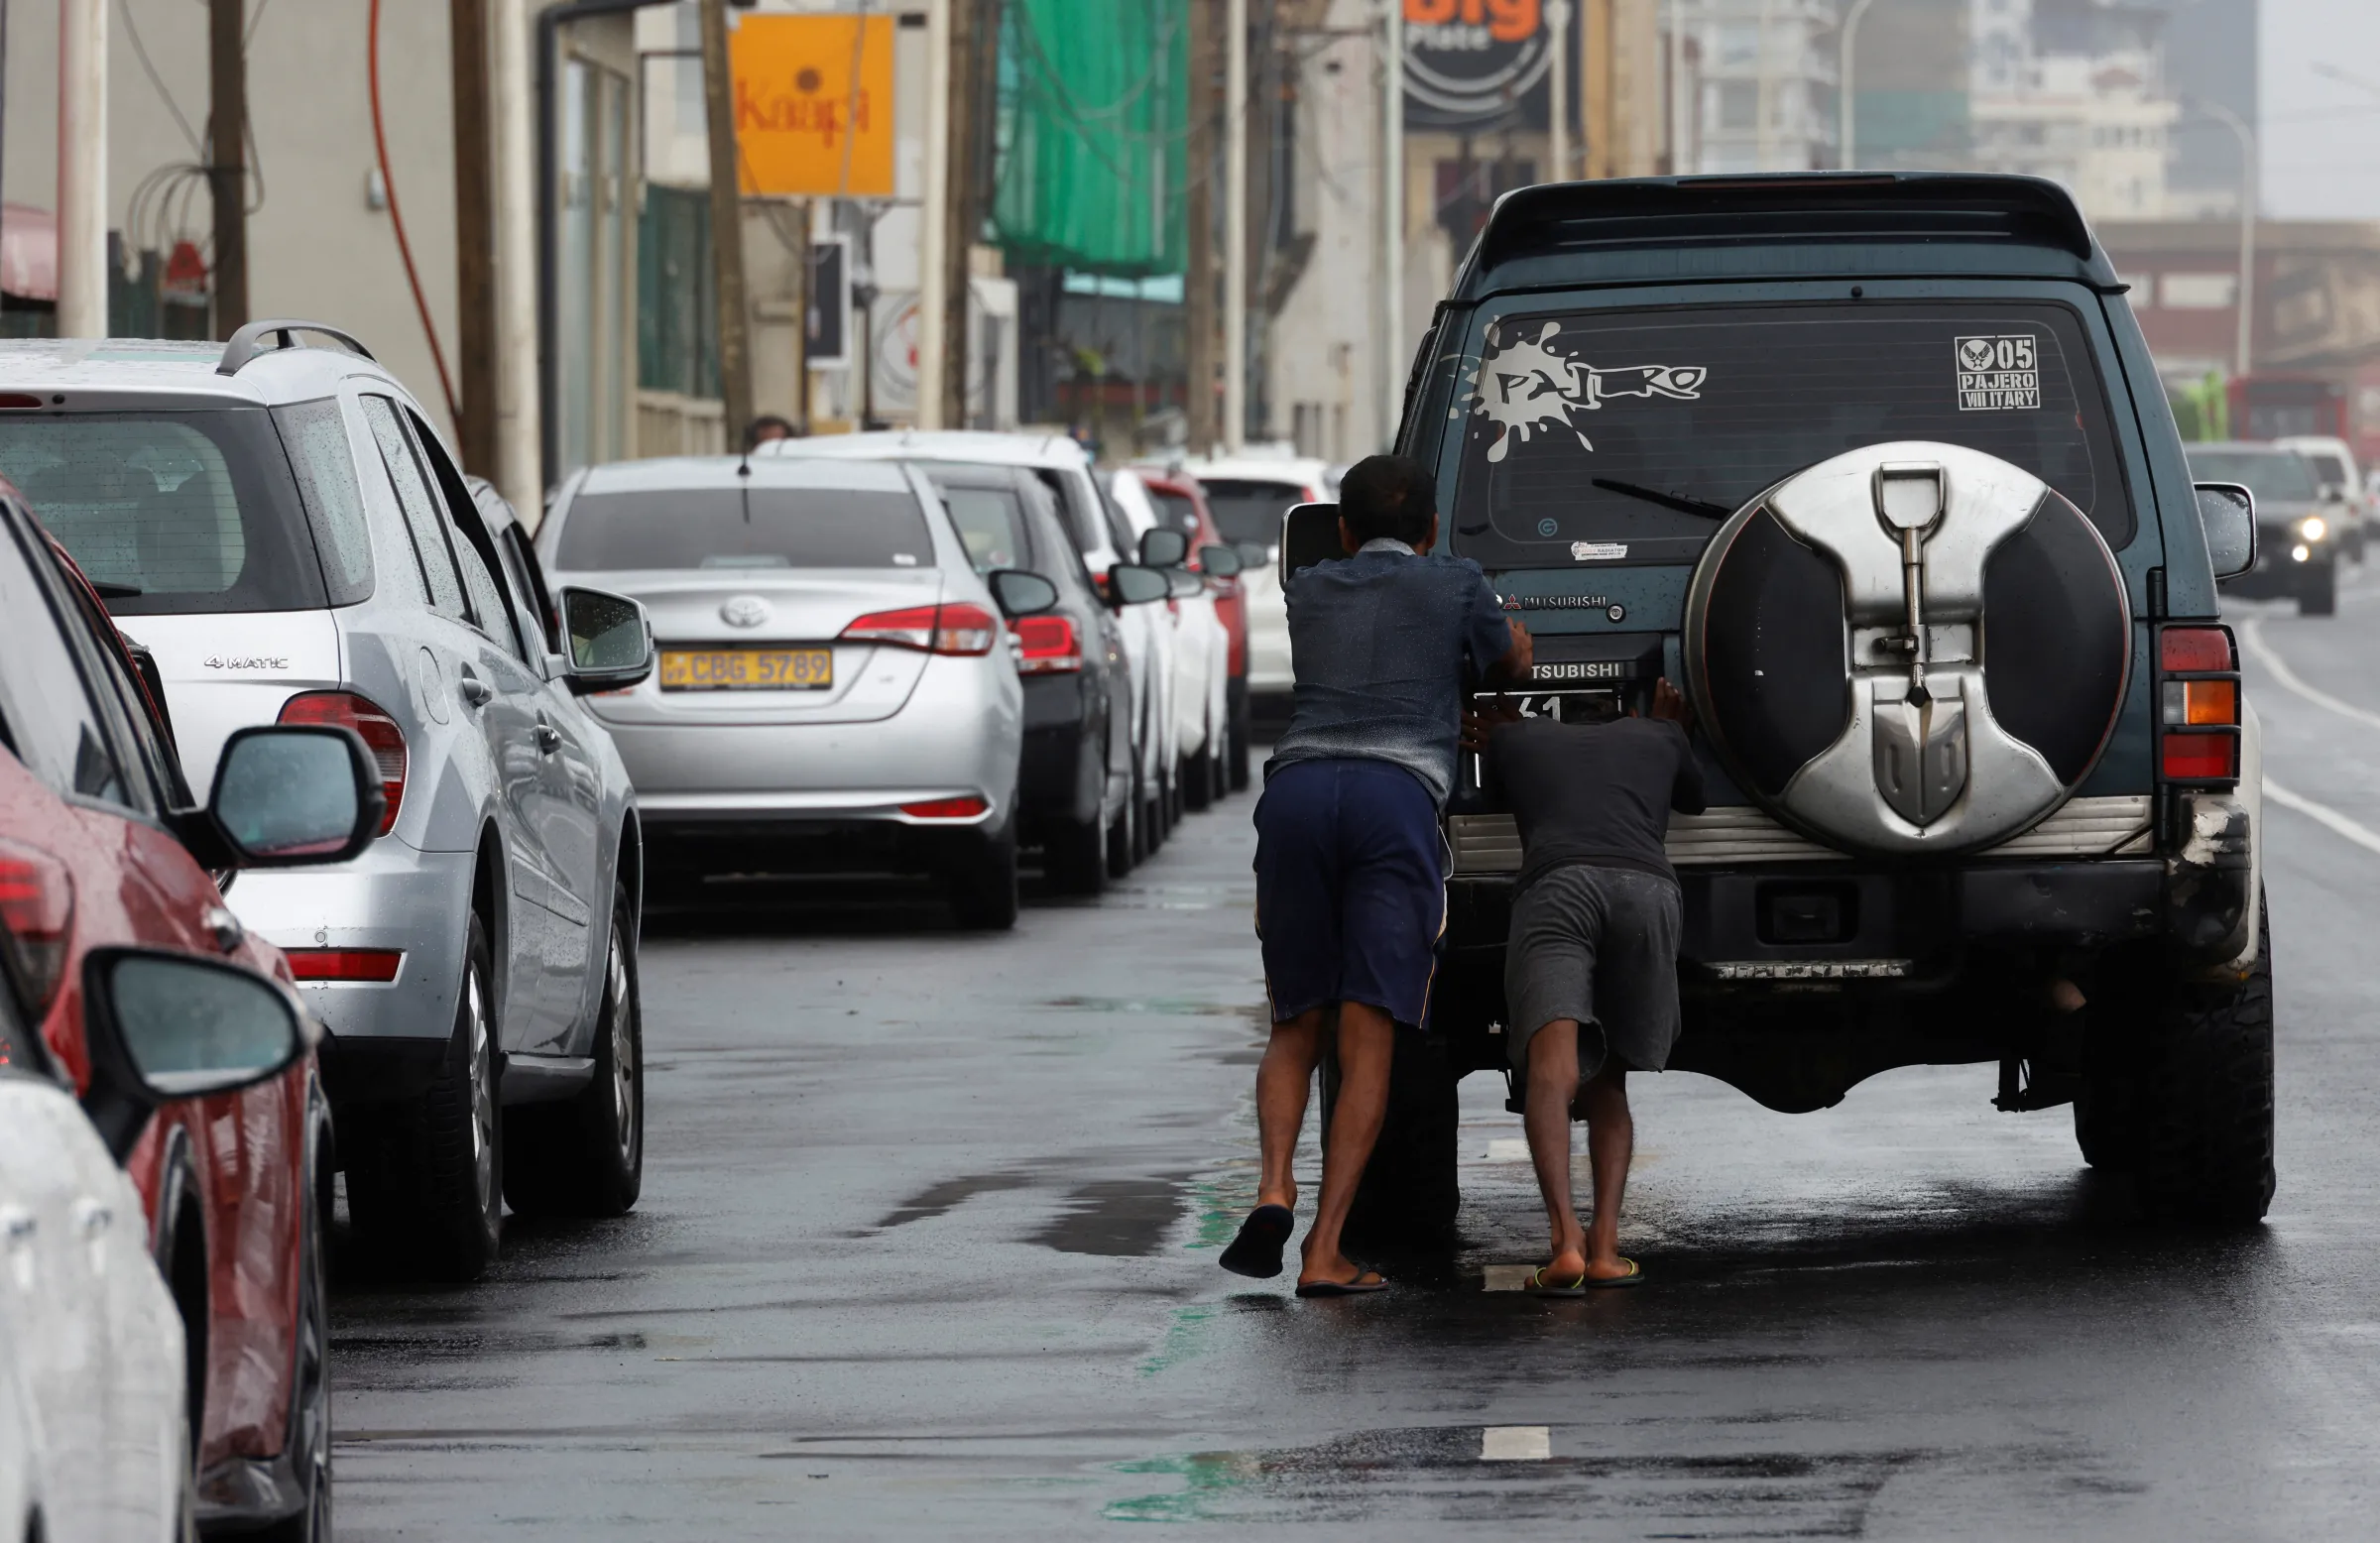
x: 1389, y: 495
x: 761, y: 425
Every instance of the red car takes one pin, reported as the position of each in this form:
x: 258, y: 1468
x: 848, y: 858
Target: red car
x: 100, y: 846
x: 1183, y: 506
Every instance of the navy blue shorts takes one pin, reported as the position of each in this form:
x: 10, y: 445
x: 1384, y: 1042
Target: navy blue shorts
x: 1350, y: 887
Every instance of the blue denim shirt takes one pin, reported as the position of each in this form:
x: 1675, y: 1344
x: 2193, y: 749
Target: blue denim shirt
x: 1379, y: 643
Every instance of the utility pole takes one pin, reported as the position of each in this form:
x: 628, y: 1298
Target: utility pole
x: 227, y: 157
x: 1198, y: 283
x: 806, y: 282
x: 1557, y: 39
x: 82, y: 168
x: 934, y: 247
x: 967, y: 44
x: 520, y: 430
x: 1234, y: 227
x: 474, y: 235
x: 726, y: 223
x: 1392, y: 224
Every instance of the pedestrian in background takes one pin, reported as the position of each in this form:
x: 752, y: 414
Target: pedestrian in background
x: 1350, y: 885
x: 1591, y: 970
x: 764, y: 428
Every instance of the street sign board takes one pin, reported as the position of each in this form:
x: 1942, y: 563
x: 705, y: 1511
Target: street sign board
x: 813, y: 100
x: 1477, y: 65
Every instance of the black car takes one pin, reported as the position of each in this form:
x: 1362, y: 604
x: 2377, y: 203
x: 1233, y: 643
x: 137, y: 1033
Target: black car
x: 2300, y: 523
x: 1074, y: 779
x: 1877, y: 467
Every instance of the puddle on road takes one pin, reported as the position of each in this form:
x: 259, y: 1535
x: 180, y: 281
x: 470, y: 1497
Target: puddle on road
x: 936, y: 1199
x: 1118, y: 1218
x: 1171, y: 1006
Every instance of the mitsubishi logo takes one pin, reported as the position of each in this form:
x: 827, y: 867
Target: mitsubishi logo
x: 744, y: 611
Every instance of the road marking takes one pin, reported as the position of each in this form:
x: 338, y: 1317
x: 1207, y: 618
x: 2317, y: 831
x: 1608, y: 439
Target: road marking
x: 1516, y: 1444
x: 2253, y: 632
x: 2322, y: 814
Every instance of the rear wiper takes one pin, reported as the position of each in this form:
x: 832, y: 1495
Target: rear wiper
x: 108, y: 590
x: 1683, y: 503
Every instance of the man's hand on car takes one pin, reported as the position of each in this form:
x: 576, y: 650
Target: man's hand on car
x: 1480, y: 722
x: 1670, y: 703
x: 1518, y: 659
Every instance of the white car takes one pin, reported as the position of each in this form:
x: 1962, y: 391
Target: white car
x: 1248, y: 495
x: 1201, y: 660
x: 2334, y: 466
x: 1099, y: 529
x: 94, y: 1381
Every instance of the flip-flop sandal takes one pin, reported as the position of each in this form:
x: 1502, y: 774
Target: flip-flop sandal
x: 1538, y: 1285
x: 1356, y: 1287
x: 1257, y: 1251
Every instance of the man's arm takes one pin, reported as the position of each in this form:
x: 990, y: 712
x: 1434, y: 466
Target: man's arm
x: 1686, y: 784
x: 1498, y: 644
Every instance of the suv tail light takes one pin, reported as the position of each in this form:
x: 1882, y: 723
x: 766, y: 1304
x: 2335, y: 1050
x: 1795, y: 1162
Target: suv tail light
x: 2197, y: 705
x: 958, y: 628
x: 1049, y: 645
x: 385, y: 741
x: 37, y: 915
x: 344, y: 964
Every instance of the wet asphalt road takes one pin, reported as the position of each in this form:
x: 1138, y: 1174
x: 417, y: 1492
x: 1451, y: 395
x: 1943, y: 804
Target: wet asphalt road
x: 929, y: 1225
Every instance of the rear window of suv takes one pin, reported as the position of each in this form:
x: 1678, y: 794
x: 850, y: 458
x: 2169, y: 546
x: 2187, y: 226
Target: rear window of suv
x: 170, y: 513
x: 739, y: 527
x: 1573, y: 417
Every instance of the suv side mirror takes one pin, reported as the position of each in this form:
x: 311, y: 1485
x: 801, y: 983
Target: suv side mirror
x: 610, y: 641
x: 2229, y: 512
x: 1309, y: 535
x: 1163, y: 548
x: 1019, y: 593
x: 1219, y: 563
x: 1134, y: 584
x: 288, y: 795
x: 1252, y: 556
x: 162, y: 1025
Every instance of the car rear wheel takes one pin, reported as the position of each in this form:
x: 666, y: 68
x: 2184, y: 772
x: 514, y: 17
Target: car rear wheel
x: 1234, y: 761
x: 983, y: 886
x: 428, y: 1181
x: 1124, y: 840
x: 1077, y: 857
x: 1198, y: 789
x: 2205, y: 1111
x: 586, y: 1157
x: 1409, y: 1194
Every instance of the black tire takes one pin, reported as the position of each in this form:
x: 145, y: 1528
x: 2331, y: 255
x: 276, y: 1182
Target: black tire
x: 1235, y: 762
x: 425, y: 1180
x: 1124, y: 840
x: 1076, y: 858
x: 2204, y: 1150
x: 586, y: 1157
x: 1197, y: 789
x: 983, y: 887
x: 2320, y: 598
x: 1146, y: 838
x: 309, y: 1434
x: 1409, y: 1195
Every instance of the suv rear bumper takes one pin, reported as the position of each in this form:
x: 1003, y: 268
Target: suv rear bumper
x: 392, y: 896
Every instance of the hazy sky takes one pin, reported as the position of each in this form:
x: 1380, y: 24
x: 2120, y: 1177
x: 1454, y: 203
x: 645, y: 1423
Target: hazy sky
x: 2322, y: 135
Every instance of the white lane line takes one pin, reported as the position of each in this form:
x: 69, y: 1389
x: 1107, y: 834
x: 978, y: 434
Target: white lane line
x: 2252, y: 631
x: 2322, y: 814
x: 1516, y: 1444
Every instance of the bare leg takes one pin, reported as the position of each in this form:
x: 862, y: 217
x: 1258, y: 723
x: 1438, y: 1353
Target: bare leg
x: 1610, y: 1146
x: 1367, y: 1042
x: 1282, y: 1078
x: 1553, y: 1083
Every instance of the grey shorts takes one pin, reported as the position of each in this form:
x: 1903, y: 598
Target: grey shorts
x: 1600, y: 946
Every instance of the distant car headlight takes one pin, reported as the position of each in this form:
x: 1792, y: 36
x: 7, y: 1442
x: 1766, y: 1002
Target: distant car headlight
x: 2300, y: 552
x: 2312, y: 527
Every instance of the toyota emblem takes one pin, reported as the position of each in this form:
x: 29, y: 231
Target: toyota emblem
x: 744, y: 611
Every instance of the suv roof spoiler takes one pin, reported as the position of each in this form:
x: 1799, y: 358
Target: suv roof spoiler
x: 1801, y: 208
x: 250, y: 341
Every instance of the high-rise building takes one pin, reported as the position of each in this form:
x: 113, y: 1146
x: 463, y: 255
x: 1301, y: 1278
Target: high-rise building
x: 1765, y: 84
x: 2075, y: 90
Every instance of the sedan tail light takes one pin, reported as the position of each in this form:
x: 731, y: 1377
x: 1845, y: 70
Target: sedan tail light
x: 945, y: 810
x: 957, y: 628
x: 1049, y: 645
x: 2197, y: 705
x: 37, y: 915
x: 380, y: 732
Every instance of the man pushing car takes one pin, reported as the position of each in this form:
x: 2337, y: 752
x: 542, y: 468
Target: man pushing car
x: 1350, y: 885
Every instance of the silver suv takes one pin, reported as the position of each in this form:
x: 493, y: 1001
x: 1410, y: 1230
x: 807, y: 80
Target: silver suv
x: 286, y: 539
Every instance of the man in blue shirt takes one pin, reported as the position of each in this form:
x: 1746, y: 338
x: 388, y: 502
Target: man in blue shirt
x: 1350, y: 886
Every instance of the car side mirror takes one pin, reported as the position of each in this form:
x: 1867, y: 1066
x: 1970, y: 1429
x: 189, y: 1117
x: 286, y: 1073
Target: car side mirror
x: 1252, y: 556
x: 1185, y: 584
x: 1219, y: 563
x: 1019, y: 593
x: 2228, y: 510
x: 1132, y: 585
x: 610, y: 641
x: 162, y: 1025
x: 1309, y: 535
x: 1163, y: 548
x: 289, y: 795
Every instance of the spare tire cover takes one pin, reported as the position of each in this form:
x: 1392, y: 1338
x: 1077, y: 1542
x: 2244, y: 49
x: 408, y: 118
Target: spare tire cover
x: 1801, y: 663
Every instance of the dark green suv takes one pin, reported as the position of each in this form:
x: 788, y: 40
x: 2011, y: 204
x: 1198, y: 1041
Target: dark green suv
x: 1877, y: 467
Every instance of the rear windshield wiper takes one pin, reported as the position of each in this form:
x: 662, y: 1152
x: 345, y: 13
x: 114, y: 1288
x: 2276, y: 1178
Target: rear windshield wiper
x: 1683, y: 503
x: 109, y: 590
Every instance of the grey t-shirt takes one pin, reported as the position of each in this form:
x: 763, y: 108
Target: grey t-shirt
x: 1378, y: 644
x: 1597, y: 793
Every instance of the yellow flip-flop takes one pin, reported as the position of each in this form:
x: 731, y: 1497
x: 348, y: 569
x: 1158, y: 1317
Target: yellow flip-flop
x: 1538, y: 1285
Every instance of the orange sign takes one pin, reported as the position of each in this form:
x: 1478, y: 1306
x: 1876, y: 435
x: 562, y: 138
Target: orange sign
x: 1506, y: 21
x: 813, y: 99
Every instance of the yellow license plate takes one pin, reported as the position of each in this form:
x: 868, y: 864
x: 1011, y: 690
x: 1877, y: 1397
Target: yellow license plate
x: 748, y: 670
